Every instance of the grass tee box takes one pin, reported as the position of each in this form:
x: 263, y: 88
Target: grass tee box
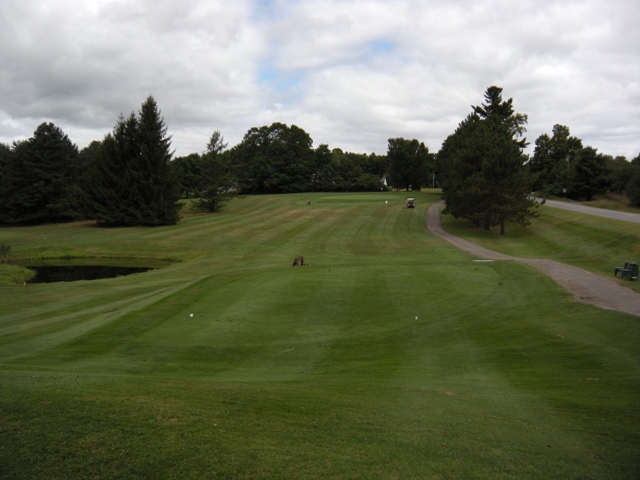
x: 392, y: 355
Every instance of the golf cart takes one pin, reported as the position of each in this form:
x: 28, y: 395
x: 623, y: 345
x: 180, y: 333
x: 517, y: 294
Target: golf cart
x: 410, y: 203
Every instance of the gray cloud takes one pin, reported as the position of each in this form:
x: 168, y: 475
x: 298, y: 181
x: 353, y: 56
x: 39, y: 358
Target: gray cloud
x: 351, y: 73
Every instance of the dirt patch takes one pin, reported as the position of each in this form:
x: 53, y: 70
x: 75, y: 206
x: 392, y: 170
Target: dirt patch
x: 586, y: 286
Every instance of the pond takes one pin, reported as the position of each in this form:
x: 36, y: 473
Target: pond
x: 72, y: 270
x: 73, y: 273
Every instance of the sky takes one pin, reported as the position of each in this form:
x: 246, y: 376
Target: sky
x: 351, y: 73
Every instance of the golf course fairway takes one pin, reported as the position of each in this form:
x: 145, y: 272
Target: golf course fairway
x: 391, y: 355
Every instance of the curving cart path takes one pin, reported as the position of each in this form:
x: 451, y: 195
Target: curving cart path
x: 586, y: 286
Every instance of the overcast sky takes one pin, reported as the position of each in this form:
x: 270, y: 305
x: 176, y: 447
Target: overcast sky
x: 352, y: 74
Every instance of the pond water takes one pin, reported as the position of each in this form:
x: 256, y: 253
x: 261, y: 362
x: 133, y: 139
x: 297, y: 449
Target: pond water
x: 72, y: 273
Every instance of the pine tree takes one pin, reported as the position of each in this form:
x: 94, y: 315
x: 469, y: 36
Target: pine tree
x: 132, y: 182
x: 5, y: 185
x: 39, y: 181
x: 157, y: 188
x: 110, y: 188
x: 485, y: 180
x: 503, y: 112
x: 217, y: 184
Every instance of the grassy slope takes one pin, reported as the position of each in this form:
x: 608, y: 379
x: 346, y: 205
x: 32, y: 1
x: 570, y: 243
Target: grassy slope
x: 594, y: 243
x: 309, y: 372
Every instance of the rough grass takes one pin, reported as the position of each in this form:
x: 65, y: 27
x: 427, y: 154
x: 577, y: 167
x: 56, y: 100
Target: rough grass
x: 313, y: 372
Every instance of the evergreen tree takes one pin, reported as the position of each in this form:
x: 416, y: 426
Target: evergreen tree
x: 87, y: 159
x: 132, y: 182
x: 109, y: 189
x: 39, y: 181
x: 217, y: 184
x: 6, y: 189
x: 503, y: 112
x: 5, y: 159
x: 484, y: 176
x: 5, y: 153
x: 216, y: 143
x: 157, y: 188
x: 465, y: 189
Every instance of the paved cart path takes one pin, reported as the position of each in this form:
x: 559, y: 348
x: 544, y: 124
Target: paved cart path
x: 600, y: 212
x: 586, y: 286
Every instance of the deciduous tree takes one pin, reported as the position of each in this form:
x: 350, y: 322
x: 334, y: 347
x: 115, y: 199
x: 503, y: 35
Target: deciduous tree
x: 620, y: 170
x: 274, y: 159
x: 588, y: 175
x: 551, y: 160
x: 633, y: 187
x: 409, y: 163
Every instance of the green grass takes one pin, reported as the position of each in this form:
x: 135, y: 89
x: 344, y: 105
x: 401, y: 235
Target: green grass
x: 313, y: 372
x: 594, y: 243
x: 609, y: 201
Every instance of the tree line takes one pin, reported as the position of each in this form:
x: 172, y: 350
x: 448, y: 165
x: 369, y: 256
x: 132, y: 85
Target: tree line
x: 563, y: 167
x: 126, y: 179
x: 131, y: 178
x: 281, y: 159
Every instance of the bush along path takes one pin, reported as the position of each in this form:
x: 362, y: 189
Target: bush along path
x: 586, y: 286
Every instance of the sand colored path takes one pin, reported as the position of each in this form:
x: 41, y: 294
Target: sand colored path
x: 586, y: 286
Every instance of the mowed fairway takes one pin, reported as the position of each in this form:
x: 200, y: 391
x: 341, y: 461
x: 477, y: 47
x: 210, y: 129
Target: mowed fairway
x: 322, y: 371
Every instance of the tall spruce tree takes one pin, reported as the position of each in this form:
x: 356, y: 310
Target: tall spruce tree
x: 109, y: 187
x: 158, y: 189
x: 132, y: 182
x: 485, y: 179
x: 503, y: 112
